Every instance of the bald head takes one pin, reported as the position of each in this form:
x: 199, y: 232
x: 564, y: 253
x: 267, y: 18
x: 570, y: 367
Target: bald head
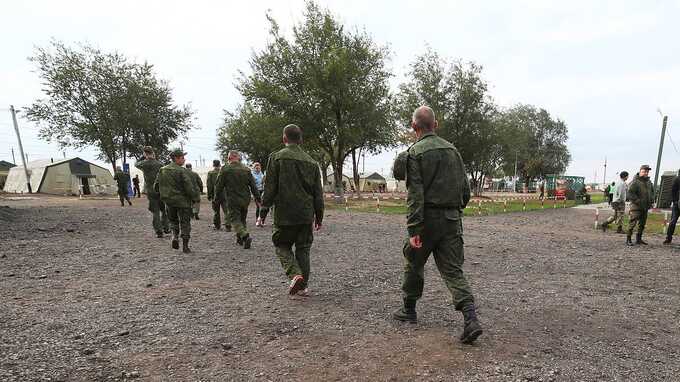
x: 423, y: 119
x: 234, y: 156
x: 292, y: 134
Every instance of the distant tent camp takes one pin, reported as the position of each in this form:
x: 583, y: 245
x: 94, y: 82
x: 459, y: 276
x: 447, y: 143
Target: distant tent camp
x: 372, y: 183
x: 4, y: 170
x: 65, y: 177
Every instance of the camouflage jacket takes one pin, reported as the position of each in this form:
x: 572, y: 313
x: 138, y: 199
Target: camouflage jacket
x: 641, y: 194
x: 150, y: 168
x: 435, y: 178
x: 122, y: 179
x: 198, y: 182
x: 212, y: 181
x: 293, y: 186
x: 176, y: 186
x: 236, y: 183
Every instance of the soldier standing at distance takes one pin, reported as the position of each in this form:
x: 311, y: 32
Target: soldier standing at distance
x: 293, y: 188
x: 641, y: 196
x: 150, y: 167
x: 438, y: 191
x: 236, y: 183
x: 198, y: 183
x: 176, y: 186
x: 123, y: 180
x: 675, y: 197
x: 217, y: 203
x: 618, y: 204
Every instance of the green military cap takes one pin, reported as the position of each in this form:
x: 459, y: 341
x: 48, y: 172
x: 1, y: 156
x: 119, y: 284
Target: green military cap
x: 177, y: 152
x: 645, y: 167
x: 399, y: 166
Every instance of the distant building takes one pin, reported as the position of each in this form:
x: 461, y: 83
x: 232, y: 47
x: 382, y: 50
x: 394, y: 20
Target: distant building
x: 66, y: 177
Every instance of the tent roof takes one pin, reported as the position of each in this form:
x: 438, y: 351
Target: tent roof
x: 40, y: 163
x: 4, y: 163
x: 374, y: 176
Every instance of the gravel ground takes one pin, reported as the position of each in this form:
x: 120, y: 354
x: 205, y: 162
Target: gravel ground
x: 88, y: 293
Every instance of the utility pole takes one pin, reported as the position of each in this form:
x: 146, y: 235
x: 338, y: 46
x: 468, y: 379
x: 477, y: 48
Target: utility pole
x: 658, y: 158
x: 14, y: 160
x: 604, y: 178
x: 21, y: 148
x: 515, y: 182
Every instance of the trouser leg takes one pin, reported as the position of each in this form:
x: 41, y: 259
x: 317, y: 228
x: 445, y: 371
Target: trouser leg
x: 164, y: 216
x: 155, y: 208
x: 449, y: 256
x: 237, y: 218
x: 122, y: 197
x: 642, y: 222
x: 185, y: 222
x: 414, y: 271
x: 633, y: 221
x: 303, y: 245
x: 673, y: 222
x: 173, y: 217
x: 283, y: 238
x: 217, y: 221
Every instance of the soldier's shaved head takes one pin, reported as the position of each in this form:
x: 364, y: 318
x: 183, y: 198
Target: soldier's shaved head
x: 292, y: 134
x: 234, y: 156
x: 424, y: 119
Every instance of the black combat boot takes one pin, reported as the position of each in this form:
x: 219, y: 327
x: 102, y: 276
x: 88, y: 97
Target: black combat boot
x: 407, y: 313
x: 129, y: 202
x: 196, y: 217
x: 668, y: 241
x: 247, y: 242
x: 175, y: 243
x: 619, y: 230
x: 239, y: 241
x: 629, y: 241
x: 227, y: 228
x: 604, y: 226
x: 159, y: 234
x: 185, y: 245
x: 638, y: 239
x: 471, y: 328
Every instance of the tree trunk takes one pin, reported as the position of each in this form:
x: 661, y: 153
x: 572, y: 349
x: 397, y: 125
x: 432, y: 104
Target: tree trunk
x: 337, y: 181
x: 355, y: 172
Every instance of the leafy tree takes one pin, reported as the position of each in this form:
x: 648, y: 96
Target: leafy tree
x: 466, y: 114
x: 331, y: 82
x: 104, y: 100
x: 533, y: 141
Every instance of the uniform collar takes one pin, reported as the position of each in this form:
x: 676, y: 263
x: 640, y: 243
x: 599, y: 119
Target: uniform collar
x: 428, y: 134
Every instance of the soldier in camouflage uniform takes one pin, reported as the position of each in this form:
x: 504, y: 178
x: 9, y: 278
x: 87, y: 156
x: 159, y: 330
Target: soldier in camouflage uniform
x: 641, y: 196
x: 122, y: 179
x: 236, y: 184
x: 217, y: 204
x: 198, y: 183
x: 438, y: 191
x: 293, y: 187
x: 150, y: 167
x: 176, y: 187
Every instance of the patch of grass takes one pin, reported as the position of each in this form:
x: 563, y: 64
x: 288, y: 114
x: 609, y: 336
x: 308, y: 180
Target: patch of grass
x: 655, y: 222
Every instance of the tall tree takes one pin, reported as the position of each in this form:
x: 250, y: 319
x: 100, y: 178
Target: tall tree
x: 104, y: 100
x: 534, y: 142
x: 331, y: 82
x: 458, y: 95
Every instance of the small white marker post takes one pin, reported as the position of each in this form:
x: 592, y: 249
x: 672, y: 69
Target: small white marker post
x: 597, y: 217
x: 505, y: 205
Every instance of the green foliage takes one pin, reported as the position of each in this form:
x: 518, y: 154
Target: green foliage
x: 104, y: 100
x: 331, y: 82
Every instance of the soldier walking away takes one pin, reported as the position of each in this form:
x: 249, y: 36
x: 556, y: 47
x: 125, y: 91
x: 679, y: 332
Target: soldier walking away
x: 150, y: 167
x: 236, y: 184
x: 198, y: 183
x: 293, y: 188
x: 620, y: 190
x: 438, y: 191
x: 641, y: 196
x: 135, y: 186
x: 123, y: 180
x: 176, y: 187
x: 675, y: 195
x: 217, y: 203
x: 259, y: 183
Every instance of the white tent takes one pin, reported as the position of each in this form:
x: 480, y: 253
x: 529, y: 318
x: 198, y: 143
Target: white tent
x: 66, y: 177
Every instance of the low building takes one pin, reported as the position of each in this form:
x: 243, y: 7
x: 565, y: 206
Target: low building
x: 4, y: 171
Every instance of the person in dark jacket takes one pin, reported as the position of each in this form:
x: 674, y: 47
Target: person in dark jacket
x: 675, y: 195
x: 122, y: 180
x: 641, y: 196
x: 135, y: 187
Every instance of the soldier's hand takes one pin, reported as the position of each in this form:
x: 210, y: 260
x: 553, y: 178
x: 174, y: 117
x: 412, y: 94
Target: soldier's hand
x: 415, y: 242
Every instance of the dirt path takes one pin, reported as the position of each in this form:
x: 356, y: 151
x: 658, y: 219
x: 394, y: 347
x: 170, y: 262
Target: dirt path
x: 88, y: 293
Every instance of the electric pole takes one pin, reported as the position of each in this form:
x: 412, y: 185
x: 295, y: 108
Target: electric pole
x: 21, y: 148
x: 604, y: 178
x: 658, y: 158
x: 14, y: 160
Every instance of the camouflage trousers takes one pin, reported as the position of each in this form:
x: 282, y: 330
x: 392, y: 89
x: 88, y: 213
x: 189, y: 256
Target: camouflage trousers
x: 217, y: 219
x: 180, y: 221
x: 196, y: 207
x: 442, y: 237
x: 237, y: 217
x: 294, y: 262
x: 123, y: 196
x: 160, y: 217
x: 619, y: 211
x: 638, y: 218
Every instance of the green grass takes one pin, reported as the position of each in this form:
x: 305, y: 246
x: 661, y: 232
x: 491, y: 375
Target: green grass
x: 655, y: 222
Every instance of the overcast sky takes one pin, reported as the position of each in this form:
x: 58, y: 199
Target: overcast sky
x: 602, y: 67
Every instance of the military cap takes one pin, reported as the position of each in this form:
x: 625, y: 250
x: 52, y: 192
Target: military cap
x: 177, y: 152
x: 399, y: 166
x: 645, y: 167
x: 148, y: 149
